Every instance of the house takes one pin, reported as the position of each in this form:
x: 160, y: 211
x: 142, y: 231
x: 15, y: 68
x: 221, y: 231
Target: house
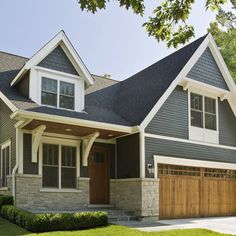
x: 161, y: 143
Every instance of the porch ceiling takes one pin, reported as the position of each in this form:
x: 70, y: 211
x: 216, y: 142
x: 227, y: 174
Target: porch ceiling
x: 67, y: 129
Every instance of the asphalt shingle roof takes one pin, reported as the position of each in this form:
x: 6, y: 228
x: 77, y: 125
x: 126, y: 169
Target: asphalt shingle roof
x: 124, y: 103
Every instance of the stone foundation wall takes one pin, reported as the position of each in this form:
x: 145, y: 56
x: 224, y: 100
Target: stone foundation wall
x: 31, y: 196
x: 140, y: 196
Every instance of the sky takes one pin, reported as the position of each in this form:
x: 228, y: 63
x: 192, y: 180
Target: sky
x: 112, y: 41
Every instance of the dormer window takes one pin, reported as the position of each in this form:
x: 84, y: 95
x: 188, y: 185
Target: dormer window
x: 67, y: 95
x: 57, y: 93
x: 49, y: 92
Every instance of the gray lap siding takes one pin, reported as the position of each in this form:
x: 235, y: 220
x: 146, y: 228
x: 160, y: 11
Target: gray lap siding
x: 172, y: 119
x: 28, y: 166
x: 154, y: 146
x: 8, y: 131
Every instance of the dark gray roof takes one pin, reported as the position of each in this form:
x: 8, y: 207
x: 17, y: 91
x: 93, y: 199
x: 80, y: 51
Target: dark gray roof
x: 124, y: 103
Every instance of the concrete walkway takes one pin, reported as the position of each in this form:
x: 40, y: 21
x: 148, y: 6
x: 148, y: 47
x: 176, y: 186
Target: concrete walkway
x: 225, y: 225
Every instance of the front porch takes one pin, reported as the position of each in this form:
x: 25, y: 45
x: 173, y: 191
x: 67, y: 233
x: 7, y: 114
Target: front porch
x: 67, y: 167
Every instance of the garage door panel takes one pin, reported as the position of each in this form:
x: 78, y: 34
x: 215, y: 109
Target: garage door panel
x: 195, y: 192
x: 179, y: 197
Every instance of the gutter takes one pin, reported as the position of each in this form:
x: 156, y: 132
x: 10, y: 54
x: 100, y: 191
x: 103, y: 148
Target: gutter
x: 17, y: 126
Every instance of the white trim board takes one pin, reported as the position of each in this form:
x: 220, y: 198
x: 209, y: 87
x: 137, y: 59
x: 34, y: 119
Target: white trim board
x: 8, y: 103
x: 188, y: 141
x: 60, y: 142
x: 189, y: 162
x: 21, y: 114
x: 62, y: 40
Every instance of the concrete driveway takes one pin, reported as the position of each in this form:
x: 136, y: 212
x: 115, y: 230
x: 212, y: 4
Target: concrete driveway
x: 225, y: 225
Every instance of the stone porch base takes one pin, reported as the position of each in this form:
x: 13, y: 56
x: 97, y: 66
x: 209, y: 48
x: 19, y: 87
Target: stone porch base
x: 140, y: 196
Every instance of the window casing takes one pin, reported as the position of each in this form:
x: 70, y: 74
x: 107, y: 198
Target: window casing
x: 203, y: 117
x: 57, y: 93
x: 59, y: 166
x: 5, y: 163
x: 203, y: 111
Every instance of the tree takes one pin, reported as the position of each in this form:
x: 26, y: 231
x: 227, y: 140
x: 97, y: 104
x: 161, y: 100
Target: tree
x: 169, y: 20
x: 224, y: 33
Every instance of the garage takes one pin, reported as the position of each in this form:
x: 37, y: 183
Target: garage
x: 187, y: 191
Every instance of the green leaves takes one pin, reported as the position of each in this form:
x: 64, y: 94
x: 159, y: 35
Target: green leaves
x: 169, y: 20
x: 93, y: 5
x: 226, y: 41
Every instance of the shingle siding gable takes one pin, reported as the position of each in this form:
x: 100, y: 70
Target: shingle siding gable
x: 57, y: 60
x: 207, y: 71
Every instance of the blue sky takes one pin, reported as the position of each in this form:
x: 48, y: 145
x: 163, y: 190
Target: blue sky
x: 111, y: 41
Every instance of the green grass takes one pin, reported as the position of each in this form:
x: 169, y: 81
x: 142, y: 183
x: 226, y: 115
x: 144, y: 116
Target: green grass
x: 9, y: 229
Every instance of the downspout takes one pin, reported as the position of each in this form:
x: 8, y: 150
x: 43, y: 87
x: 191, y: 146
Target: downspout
x: 17, y: 126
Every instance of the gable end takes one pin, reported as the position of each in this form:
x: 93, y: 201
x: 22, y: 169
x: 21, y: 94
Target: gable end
x: 206, y: 71
x: 57, y: 60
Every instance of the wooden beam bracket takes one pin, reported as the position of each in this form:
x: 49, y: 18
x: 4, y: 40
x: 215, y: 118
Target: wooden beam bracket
x: 88, y: 141
x: 36, y: 138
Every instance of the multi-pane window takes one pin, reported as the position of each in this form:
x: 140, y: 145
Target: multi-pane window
x: 67, y: 95
x: 49, y: 92
x: 58, y: 93
x: 196, y: 110
x: 203, y: 111
x: 50, y: 165
x: 5, y: 164
x: 210, y: 113
x: 59, y: 166
x: 68, y: 167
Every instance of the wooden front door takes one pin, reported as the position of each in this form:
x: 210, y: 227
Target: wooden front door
x: 99, y: 173
x: 196, y: 192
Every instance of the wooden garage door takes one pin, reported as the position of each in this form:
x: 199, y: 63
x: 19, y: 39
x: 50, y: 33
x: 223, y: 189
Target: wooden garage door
x: 195, y: 192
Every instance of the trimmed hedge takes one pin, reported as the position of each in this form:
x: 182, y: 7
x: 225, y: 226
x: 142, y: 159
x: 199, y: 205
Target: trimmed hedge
x: 53, y: 222
x: 6, y: 200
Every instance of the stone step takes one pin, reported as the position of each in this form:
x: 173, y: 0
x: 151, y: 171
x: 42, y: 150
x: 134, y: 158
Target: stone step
x: 116, y: 218
x: 100, y: 206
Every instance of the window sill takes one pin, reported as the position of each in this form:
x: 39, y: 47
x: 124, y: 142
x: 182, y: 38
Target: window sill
x: 4, y: 188
x: 54, y: 190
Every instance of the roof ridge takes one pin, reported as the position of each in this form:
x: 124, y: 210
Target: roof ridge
x: 105, y: 77
x: 12, y: 54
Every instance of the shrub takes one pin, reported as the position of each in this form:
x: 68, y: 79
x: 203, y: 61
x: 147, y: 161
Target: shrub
x: 53, y: 222
x: 6, y: 200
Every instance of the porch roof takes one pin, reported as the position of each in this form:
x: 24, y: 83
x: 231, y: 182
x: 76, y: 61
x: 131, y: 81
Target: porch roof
x: 73, y: 130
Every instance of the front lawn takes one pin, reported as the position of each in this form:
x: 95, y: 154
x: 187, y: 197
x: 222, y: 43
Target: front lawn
x: 9, y: 229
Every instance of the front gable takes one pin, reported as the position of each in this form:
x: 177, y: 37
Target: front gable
x: 207, y: 71
x: 58, y: 60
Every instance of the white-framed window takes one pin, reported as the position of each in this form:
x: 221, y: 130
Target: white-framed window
x: 57, y: 93
x: 5, y: 162
x: 203, y: 111
x: 57, y: 89
x: 59, y: 166
x: 203, y: 117
x: 59, y: 163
